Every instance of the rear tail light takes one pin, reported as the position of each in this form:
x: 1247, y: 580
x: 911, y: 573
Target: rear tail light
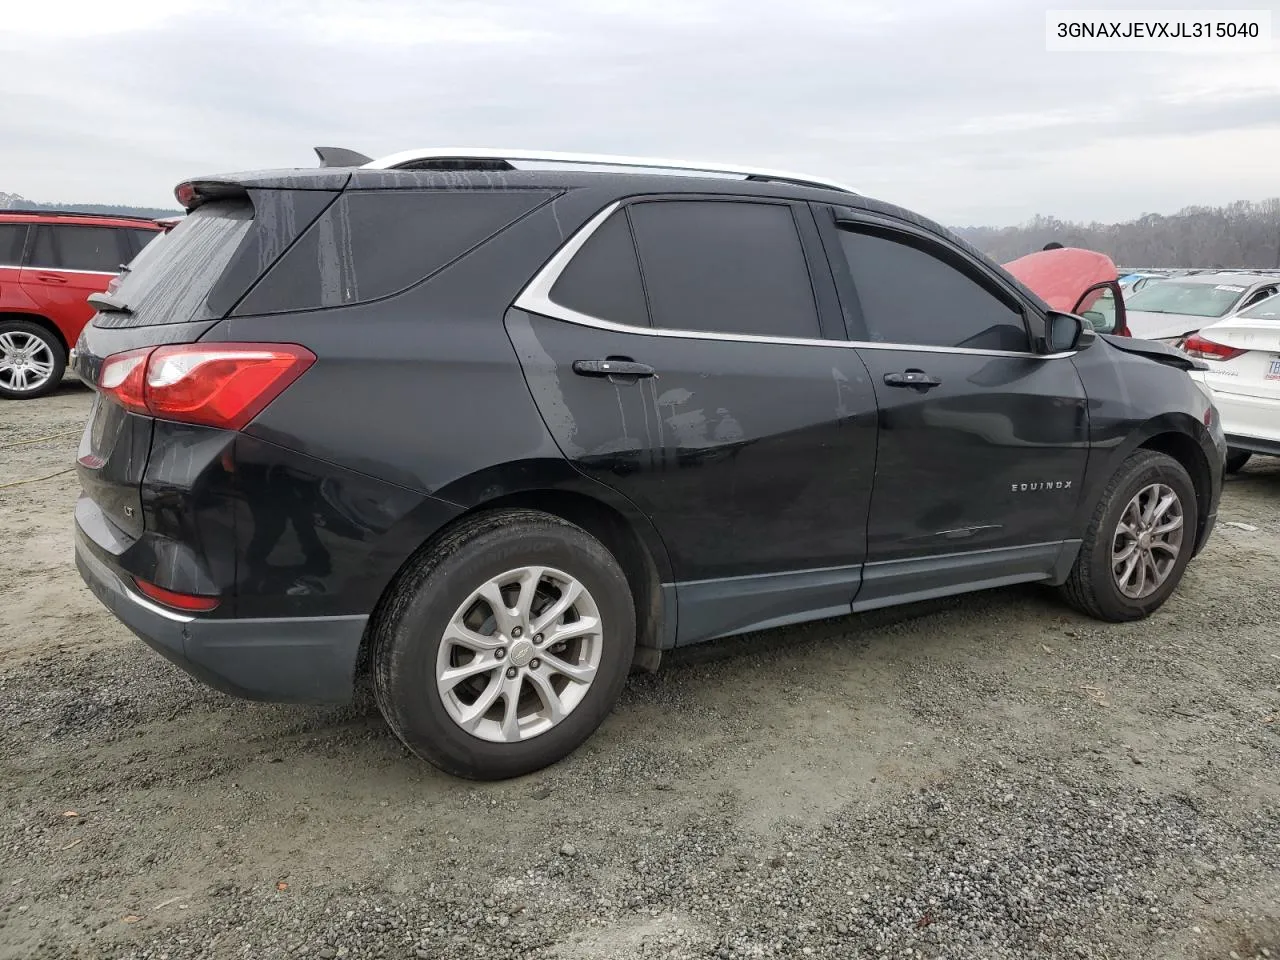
x: 1198, y: 346
x: 222, y: 385
x: 123, y: 376
x: 190, y: 602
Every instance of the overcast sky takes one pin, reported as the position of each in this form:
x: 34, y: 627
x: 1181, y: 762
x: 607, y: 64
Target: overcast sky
x: 951, y: 107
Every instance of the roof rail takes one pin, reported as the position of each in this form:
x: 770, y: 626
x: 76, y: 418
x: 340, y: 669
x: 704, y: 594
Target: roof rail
x: 74, y: 213
x: 456, y: 158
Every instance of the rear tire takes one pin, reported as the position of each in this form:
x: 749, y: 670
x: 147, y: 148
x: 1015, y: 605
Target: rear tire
x: 1236, y: 459
x: 524, y: 700
x: 1139, y: 507
x: 32, y: 360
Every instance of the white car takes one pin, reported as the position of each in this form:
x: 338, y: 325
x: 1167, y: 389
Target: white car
x: 1243, y: 356
x: 1175, y: 308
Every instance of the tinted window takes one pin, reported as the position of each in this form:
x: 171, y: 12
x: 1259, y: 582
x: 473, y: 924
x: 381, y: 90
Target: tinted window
x: 724, y: 266
x: 66, y: 247
x: 373, y: 244
x: 910, y: 296
x: 603, y: 279
x: 140, y: 238
x: 13, y: 237
x: 170, y: 279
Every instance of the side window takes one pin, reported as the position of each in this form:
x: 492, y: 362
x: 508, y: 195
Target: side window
x: 1098, y: 306
x: 910, y: 296
x: 13, y: 237
x: 372, y: 244
x: 603, y: 279
x: 1258, y: 296
x: 137, y: 239
x: 97, y: 249
x: 724, y: 266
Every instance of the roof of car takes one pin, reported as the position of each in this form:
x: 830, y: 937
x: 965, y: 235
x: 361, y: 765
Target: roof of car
x: 37, y: 216
x: 1225, y: 277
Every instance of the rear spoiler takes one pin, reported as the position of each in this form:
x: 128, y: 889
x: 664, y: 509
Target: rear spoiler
x: 340, y: 157
x: 1155, y: 351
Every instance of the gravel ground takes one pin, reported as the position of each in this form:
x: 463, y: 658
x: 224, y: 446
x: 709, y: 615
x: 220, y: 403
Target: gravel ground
x: 990, y: 777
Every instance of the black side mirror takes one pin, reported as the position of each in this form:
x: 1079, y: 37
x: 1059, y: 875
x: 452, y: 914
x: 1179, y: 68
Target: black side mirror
x: 1065, y: 332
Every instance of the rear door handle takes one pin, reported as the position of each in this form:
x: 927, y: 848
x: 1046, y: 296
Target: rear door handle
x: 916, y: 379
x: 612, y: 368
x: 49, y: 278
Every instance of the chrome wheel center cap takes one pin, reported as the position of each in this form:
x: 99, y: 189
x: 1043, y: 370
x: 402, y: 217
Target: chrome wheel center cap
x: 522, y: 652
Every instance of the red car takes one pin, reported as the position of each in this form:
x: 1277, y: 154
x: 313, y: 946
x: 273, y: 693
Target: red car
x: 1083, y: 282
x: 49, y: 263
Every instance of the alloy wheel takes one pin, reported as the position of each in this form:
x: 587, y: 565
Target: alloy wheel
x: 519, y: 654
x: 1148, y: 541
x: 26, y: 361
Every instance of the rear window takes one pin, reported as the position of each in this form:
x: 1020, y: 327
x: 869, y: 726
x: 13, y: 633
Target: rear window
x: 1268, y: 309
x: 169, y: 280
x: 370, y: 245
x: 1187, y: 298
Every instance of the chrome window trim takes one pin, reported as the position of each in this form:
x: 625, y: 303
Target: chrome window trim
x: 536, y: 298
x: 96, y: 273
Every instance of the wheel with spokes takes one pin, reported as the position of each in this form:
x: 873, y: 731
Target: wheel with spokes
x: 502, y: 648
x: 1139, y: 542
x: 31, y: 360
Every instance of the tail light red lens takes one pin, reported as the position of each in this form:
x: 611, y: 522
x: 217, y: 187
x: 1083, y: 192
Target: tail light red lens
x: 178, y: 601
x: 222, y: 385
x: 1197, y: 346
x: 123, y: 377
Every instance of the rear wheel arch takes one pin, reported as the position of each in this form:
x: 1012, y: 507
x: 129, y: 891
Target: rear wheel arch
x: 41, y: 321
x: 1187, y: 451
x: 654, y: 623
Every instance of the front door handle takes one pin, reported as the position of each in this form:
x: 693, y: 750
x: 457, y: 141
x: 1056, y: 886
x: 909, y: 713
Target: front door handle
x: 915, y: 379
x: 613, y: 367
x: 49, y: 278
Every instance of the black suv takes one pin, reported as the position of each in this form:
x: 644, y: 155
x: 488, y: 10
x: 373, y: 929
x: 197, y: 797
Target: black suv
x: 501, y: 435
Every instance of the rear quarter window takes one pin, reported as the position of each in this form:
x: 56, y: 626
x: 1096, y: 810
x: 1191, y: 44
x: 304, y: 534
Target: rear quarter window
x: 372, y: 244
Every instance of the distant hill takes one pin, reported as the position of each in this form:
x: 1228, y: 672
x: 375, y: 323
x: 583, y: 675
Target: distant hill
x: 13, y: 201
x: 1241, y: 234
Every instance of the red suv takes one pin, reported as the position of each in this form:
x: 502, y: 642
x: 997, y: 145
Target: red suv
x: 49, y: 263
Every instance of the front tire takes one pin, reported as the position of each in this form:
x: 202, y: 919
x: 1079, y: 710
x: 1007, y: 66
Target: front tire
x: 32, y: 360
x: 1138, y: 542
x: 504, y: 646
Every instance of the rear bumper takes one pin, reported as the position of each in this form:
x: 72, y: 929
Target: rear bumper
x: 1250, y: 423
x: 291, y: 660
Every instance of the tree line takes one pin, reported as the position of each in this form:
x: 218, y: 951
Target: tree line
x: 13, y: 201
x: 1242, y: 234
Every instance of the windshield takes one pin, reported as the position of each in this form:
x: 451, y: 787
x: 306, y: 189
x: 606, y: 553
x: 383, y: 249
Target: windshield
x: 1268, y: 309
x: 1187, y: 298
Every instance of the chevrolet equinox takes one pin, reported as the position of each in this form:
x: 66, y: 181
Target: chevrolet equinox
x: 495, y: 429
